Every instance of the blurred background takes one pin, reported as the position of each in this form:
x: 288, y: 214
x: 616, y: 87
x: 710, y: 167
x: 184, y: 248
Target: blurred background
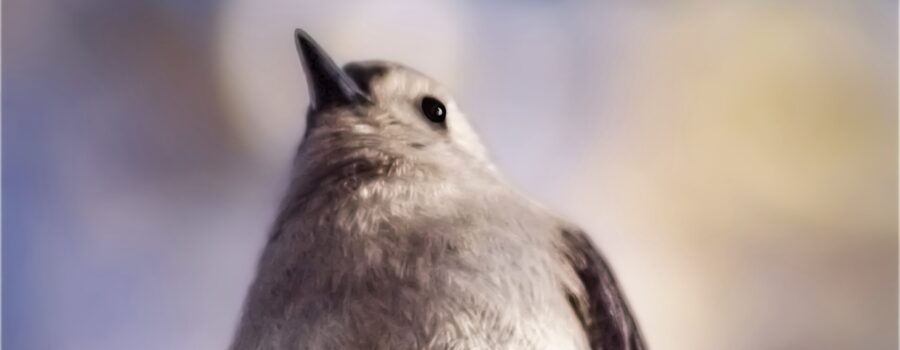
x: 735, y: 160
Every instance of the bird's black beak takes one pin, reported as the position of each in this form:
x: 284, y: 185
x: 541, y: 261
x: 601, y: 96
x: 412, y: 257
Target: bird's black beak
x: 329, y: 86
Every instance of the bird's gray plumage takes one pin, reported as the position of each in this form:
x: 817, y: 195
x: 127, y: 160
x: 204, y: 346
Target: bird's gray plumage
x: 398, y: 233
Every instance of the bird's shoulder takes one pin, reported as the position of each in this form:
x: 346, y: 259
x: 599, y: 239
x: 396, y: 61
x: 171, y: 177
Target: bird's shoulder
x: 596, y: 297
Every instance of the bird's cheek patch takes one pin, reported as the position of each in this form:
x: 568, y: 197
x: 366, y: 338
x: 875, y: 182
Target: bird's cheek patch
x: 363, y: 129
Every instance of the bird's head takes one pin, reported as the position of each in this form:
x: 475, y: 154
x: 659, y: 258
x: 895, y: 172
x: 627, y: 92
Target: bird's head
x: 380, y: 115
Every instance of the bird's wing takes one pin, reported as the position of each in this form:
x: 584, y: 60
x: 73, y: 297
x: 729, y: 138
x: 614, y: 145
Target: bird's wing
x: 600, y: 306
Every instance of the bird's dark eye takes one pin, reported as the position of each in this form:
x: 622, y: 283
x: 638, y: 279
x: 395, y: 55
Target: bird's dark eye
x: 434, y: 109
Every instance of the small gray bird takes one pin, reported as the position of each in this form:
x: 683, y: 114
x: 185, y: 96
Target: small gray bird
x: 397, y: 232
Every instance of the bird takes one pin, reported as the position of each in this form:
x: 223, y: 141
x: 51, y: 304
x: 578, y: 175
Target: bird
x: 398, y: 232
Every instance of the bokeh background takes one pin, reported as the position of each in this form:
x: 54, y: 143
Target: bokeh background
x: 735, y: 160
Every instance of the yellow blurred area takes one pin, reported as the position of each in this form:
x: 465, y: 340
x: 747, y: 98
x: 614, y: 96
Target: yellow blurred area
x: 758, y: 160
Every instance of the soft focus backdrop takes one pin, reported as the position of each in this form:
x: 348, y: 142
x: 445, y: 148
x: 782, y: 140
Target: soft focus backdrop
x: 735, y: 160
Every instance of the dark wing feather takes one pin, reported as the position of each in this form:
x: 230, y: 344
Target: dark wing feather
x: 601, y: 307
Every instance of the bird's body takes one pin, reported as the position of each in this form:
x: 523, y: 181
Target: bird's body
x: 397, y: 233
x: 385, y: 266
